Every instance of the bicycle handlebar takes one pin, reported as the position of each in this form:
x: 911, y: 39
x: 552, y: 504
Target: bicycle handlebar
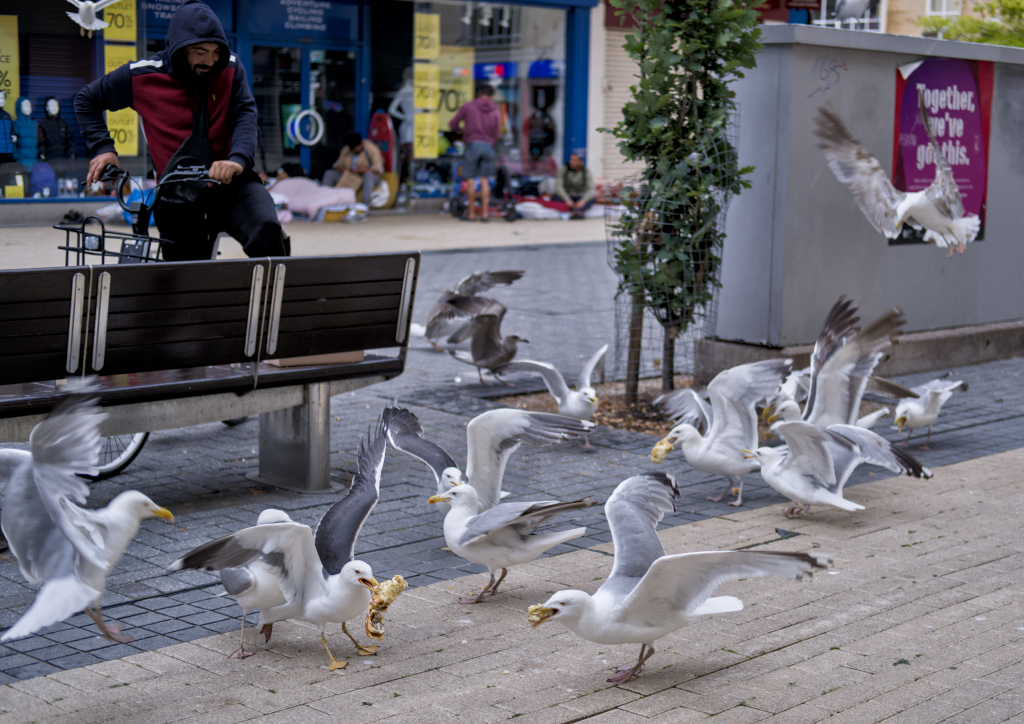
x: 197, y: 175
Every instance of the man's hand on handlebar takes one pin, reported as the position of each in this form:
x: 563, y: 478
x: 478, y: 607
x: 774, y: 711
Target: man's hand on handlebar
x: 225, y: 171
x: 98, y: 164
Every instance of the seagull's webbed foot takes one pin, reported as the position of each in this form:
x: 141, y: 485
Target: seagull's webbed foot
x: 360, y: 649
x: 795, y: 511
x: 489, y: 590
x: 586, y: 443
x: 111, y: 631
x: 728, y: 489
x: 334, y: 664
x: 626, y: 673
x: 924, y: 447
x: 241, y: 654
x: 267, y: 630
x: 739, y: 497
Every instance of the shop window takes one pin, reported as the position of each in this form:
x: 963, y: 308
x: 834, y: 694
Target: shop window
x: 944, y: 8
x: 495, y: 26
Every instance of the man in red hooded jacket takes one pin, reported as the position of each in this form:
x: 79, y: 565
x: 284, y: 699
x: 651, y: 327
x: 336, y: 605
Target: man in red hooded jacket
x: 482, y: 126
x: 196, y: 107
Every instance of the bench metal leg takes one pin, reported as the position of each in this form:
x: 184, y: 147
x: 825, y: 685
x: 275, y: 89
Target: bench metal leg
x: 295, y: 444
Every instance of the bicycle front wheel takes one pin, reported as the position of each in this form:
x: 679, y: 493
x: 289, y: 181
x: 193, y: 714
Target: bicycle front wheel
x: 116, y: 453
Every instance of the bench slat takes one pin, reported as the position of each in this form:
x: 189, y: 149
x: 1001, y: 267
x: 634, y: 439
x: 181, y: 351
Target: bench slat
x: 337, y: 306
x: 327, y: 341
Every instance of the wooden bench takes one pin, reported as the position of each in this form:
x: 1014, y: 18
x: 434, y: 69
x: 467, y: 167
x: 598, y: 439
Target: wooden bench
x: 173, y: 344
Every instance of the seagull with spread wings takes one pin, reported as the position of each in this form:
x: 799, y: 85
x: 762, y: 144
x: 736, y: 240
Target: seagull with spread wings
x: 650, y: 594
x: 938, y: 209
x: 815, y: 464
x: 488, y: 349
x: 491, y: 438
x: 67, y: 548
x: 86, y: 15
x: 843, y: 359
x: 730, y: 422
x: 446, y: 320
x: 580, y: 403
x: 913, y: 414
x: 289, y: 571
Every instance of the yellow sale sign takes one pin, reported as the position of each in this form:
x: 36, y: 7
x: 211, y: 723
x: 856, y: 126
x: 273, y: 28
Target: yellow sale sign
x: 122, y: 23
x: 456, y: 81
x: 427, y: 83
x: 10, y: 79
x: 123, y: 124
x: 426, y: 36
x: 424, y: 143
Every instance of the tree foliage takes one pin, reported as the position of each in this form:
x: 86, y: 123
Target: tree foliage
x: 997, y: 22
x: 677, y: 123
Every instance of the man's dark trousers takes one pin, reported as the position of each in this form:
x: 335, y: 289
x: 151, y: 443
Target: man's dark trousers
x: 242, y: 209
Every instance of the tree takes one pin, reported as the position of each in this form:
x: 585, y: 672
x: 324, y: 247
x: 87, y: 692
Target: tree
x: 998, y: 22
x: 670, y: 236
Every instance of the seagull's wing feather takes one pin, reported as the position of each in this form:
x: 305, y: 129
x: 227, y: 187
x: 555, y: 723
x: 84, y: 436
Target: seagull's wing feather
x: 809, y: 452
x: 686, y: 406
x: 734, y: 393
x: 520, y: 517
x: 943, y: 192
x: 58, y: 599
x: 493, y: 436
x: 553, y: 379
x: 682, y: 583
x: 588, y: 369
x: 336, y: 533
x: 633, y: 510
x: 482, y: 281
x: 873, y: 449
x: 858, y: 169
x: 405, y: 433
x: 289, y: 547
x: 882, y: 386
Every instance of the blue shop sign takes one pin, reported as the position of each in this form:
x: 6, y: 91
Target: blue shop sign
x: 160, y: 12
x: 305, y: 18
x: 547, y: 69
x: 495, y: 71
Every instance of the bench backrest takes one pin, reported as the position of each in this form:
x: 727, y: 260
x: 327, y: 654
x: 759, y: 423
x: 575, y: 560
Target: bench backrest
x: 119, y: 319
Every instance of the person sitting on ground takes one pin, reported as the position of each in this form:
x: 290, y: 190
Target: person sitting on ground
x: 360, y: 165
x: 481, y: 129
x: 575, y: 185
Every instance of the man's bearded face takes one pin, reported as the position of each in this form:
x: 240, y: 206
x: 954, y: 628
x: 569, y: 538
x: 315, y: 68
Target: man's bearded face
x: 202, y: 57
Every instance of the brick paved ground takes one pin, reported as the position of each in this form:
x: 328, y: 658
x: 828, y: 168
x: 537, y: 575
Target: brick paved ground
x: 199, y: 472
x: 919, y: 621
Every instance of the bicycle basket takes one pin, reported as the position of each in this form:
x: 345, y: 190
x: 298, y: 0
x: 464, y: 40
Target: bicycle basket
x: 84, y: 242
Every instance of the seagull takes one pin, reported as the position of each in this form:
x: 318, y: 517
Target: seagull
x: 488, y: 350
x: 289, y: 571
x: 491, y: 438
x: 649, y: 594
x: 580, y: 403
x: 501, y: 536
x: 68, y: 549
x: 86, y: 15
x: 915, y: 414
x: 844, y: 357
x: 815, y: 464
x: 446, y: 320
x: 938, y: 209
x: 730, y: 422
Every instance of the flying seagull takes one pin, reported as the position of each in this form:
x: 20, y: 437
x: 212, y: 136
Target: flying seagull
x: 815, y: 464
x: 938, y: 209
x: 446, y: 320
x: 289, y: 571
x: 86, y: 15
x: 580, y: 403
x: 68, y: 549
x: 923, y: 412
x: 488, y: 350
x: 491, y: 438
x: 731, y: 425
x: 843, y: 359
x: 501, y: 536
x: 649, y: 594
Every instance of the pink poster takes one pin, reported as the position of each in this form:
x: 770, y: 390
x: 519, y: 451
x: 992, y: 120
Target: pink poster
x: 958, y: 96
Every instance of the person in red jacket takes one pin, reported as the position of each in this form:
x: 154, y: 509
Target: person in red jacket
x: 481, y: 128
x: 196, y: 108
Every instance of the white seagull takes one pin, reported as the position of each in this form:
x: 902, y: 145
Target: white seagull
x: 649, y: 594
x: 938, y: 209
x: 491, y: 438
x: 289, y: 572
x: 445, y: 320
x: 730, y: 422
x: 815, y: 464
x: 501, y: 536
x: 86, y: 15
x: 924, y: 411
x: 68, y: 549
x: 843, y: 359
x: 580, y: 403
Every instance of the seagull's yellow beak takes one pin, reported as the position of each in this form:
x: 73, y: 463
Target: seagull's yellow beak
x: 164, y: 513
x: 749, y: 454
x: 768, y: 414
x: 900, y: 422
x: 439, y: 499
x: 370, y: 583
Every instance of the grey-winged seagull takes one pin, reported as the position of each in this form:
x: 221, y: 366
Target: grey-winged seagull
x: 445, y: 319
x: 923, y: 412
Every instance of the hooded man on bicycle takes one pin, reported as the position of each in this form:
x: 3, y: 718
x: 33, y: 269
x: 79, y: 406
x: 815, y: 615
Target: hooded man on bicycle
x: 196, y: 109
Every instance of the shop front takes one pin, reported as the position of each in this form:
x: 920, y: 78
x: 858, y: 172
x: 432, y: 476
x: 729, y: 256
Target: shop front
x: 320, y: 69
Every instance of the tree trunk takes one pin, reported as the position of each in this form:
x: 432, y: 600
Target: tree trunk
x: 668, y: 357
x: 636, y: 335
